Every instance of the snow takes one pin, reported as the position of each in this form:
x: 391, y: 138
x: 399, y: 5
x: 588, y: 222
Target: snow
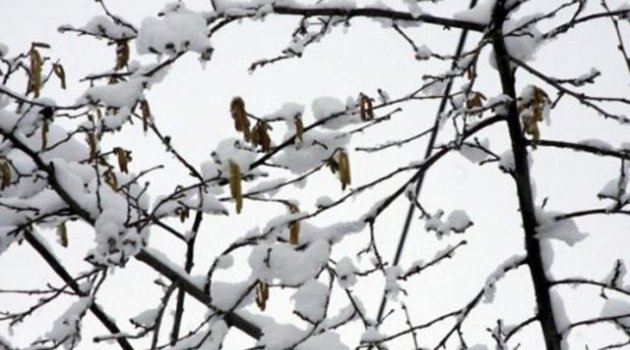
x: 323, y: 202
x: 208, y: 338
x: 211, y: 205
x: 146, y: 318
x: 288, y: 266
x: 559, y: 312
x: 179, y: 30
x: 413, y: 7
x: 521, y: 44
x: 280, y: 336
x: 66, y: 329
x: 565, y: 230
x: 506, y: 162
x: 457, y: 221
x: 597, y: 143
x: 343, y: 4
x: 617, y: 307
x: 288, y: 111
x: 122, y: 94
x: 114, y: 121
x: 423, y: 52
x: 115, y: 244
x: 6, y: 237
x: 311, y: 300
x: 371, y: 335
x: 498, y: 274
x: 268, y: 188
x: 547, y: 254
x: 325, y: 107
x: 224, y: 262
x: 103, y: 25
x: 474, y: 154
x: 316, y: 147
x: 481, y: 13
x: 231, y: 150
x: 345, y: 314
x: 346, y: 271
x: 226, y: 295
x: 4, y: 50
x: 614, y: 189
x: 327, y: 341
x: 392, y: 288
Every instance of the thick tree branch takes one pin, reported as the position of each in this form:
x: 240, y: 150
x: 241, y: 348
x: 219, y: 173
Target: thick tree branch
x: 375, y: 13
x: 523, y: 186
x: 69, y: 280
x: 621, y: 154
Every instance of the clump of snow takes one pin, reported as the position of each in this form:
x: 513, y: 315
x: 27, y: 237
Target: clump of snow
x: 103, y: 25
x: 597, y: 143
x: 481, y: 13
x: 288, y: 111
x: 371, y: 335
x: 316, y: 147
x: 267, y: 188
x: 206, y: 201
x: 392, y: 288
x: 475, y: 154
x: 66, y: 330
x: 6, y: 237
x: 559, y: 311
x: 115, y: 243
x: 281, y: 262
x: 211, y: 205
x: 280, y: 336
x: 115, y: 120
x: 179, y: 30
x: 614, y: 189
x: 457, y: 221
x: 344, y: 4
x: 229, y: 150
x: 323, y: 202
x: 548, y: 254
x: 4, y: 50
x: 225, y: 296
x: 346, y: 272
x: 224, y: 262
x: 413, y: 7
x: 146, y: 318
x: 210, y: 337
x: 325, y: 107
x: 617, y: 307
x: 506, y: 162
x: 523, y: 43
x: 122, y: 94
x: 478, y: 347
x: 327, y: 341
x: 489, y: 288
x: 310, y: 300
x: 423, y: 52
x: 565, y: 230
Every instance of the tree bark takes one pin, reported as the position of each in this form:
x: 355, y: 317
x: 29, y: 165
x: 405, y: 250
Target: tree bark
x: 535, y: 263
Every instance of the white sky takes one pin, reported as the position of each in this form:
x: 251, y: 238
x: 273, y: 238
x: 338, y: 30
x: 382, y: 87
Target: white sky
x: 191, y: 105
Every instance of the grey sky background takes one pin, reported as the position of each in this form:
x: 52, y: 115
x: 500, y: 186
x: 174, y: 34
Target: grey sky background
x: 192, y: 103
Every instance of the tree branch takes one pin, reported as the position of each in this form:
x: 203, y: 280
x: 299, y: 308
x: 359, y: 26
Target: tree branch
x: 523, y: 185
x: 67, y: 278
